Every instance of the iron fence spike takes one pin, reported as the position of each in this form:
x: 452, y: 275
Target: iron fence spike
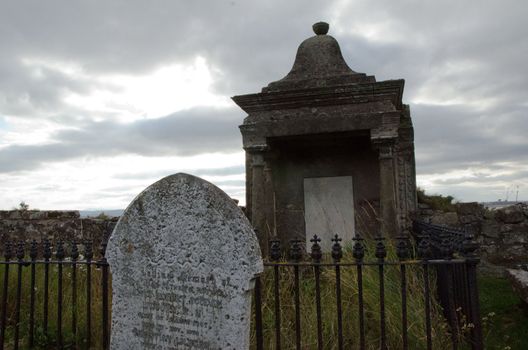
x: 316, y: 252
x: 8, y: 252
x: 60, y: 254
x: 358, y: 250
x: 74, y: 251
x: 21, y: 250
x: 33, y: 250
x: 88, y: 250
x: 47, y: 249
x: 295, y: 251
x: 381, y: 251
x: 337, y: 251
x: 275, y: 250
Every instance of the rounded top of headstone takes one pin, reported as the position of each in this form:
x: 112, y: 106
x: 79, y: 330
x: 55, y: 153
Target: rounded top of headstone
x: 318, y: 63
x: 182, y: 219
x: 320, y: 28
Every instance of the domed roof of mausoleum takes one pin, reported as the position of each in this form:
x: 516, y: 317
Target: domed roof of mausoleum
x: 318, y: 63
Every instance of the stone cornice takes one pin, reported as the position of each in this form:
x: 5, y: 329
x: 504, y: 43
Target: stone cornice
x: 345, y: 94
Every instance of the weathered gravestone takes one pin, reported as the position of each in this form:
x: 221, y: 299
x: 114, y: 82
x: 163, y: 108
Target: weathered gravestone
x: 183, y: 257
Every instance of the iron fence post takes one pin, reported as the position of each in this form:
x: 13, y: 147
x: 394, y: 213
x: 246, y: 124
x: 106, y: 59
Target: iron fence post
x: 295, y: 255
x: 402, y: 251
x: 316, y: 254
x: 20, y: 262
x: 60, y: 257
x: 381, y: 253
x: 275, y: 256
x: 358, y: 251
x: 33, y: 253
x: 424, y: 252
x: 8, y: 254
x: 74, y: 255
x: 337, y: 254
x: 105, y: 276
x: 470, y: 248
x: 88, y: 254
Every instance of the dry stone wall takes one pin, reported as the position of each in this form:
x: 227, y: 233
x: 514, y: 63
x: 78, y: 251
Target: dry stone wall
x: 501, y: 233
x: 53, y: 225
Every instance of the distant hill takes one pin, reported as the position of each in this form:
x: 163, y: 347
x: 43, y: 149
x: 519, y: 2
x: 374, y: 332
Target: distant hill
x: 94, y: 213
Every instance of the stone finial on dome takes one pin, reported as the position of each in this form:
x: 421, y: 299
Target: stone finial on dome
x: 320, y: 28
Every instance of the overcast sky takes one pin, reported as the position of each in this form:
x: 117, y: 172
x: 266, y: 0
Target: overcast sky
x: 98, y: 99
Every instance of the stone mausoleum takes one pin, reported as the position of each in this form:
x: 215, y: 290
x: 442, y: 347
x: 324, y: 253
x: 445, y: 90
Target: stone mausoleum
x: 328, y: 150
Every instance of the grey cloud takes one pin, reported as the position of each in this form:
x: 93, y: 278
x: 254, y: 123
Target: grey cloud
x: 457, y: 137
x: 254, y: 42
x: 184, y: 133
x: 231, y: 170
x: 244, y: 51
x: 134, y: 36
x: 231, y: 183
x: 484, y: 179
x: 142, y: 175
x: 464, y: 50
x: 38, y: 92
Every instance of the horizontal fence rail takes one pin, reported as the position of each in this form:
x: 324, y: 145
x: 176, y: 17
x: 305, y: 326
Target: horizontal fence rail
x: 376, y: 293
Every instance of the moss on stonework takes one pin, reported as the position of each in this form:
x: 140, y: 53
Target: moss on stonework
x: 436, y: 201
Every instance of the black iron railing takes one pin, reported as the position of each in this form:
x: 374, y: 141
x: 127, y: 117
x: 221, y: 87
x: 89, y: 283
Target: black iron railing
x: 390, y: 263
x: 370, y: 294
x: 456, y: 283
x: 50, y: 290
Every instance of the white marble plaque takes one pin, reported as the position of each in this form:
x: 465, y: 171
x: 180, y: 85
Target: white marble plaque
x: 182, y: 257
x: 328, y: 209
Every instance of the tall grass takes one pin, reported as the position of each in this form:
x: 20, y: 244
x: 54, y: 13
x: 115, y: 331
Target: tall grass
x: 371, y: 294
x: 47, y: 340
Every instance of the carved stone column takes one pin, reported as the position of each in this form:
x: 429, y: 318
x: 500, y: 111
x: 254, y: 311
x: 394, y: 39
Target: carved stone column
x: 388, y: 199
x: 261, y: 207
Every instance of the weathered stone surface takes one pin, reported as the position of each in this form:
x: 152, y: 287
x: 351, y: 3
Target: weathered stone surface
x: 469, y: 208
x: 492, y: 229
x: 428, y: 212
x: 519, y: 281
x: 318, y: 63
x: 508, y: 255
x: 510, y: 215
x: 445, y: 219
x: 329, y: 210
x: 475, y: 228
x: 468, y: 219
x: 28, y: 225
x: 423, y: 206
x: 515, y: 238
x: 182, y: 257
x: 502, y: 233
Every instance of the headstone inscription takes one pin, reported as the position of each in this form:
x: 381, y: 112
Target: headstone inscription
x: 182, y: 257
